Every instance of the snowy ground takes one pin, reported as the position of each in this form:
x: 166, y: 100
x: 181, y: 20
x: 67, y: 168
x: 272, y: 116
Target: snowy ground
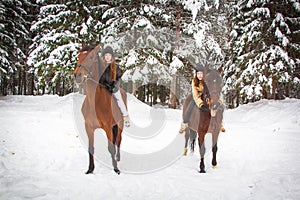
x: 42, y: 154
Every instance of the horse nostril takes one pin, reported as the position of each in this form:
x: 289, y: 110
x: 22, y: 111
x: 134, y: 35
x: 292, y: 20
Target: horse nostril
x: 214, y: 106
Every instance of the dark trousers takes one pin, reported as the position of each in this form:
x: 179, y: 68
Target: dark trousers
x: 187, y: 116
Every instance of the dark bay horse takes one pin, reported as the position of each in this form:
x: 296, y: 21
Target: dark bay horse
x: 202, y: 122
x: 99, y: 109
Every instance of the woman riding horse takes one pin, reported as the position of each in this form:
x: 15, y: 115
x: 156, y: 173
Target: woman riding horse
x: 100, y: 109
x: 200, y: 94
x: 111, y: 79
x: 203, y: 111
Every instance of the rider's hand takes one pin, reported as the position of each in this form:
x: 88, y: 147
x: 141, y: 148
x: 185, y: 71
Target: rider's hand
x: 204, y: 108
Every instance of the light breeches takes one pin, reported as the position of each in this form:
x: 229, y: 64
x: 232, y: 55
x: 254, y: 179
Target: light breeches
x: 117, y: 95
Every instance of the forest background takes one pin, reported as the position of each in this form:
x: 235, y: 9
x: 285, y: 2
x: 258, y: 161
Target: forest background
x: 157, y: 44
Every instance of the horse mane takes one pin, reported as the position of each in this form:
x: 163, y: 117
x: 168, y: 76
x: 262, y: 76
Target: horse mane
x: 87, y: 48
x: 213, y: 72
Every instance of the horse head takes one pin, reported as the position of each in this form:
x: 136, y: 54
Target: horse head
x: 214, y: 84
x: 87, y: 62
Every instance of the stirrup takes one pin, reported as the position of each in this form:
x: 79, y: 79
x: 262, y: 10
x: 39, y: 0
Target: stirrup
x: 126, y: 121
x: 223, y: 129
x: 183, y: 127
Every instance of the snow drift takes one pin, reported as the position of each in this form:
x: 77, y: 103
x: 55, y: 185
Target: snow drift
x: 43, y: 155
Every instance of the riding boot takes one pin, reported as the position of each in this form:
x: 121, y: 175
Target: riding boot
x: 222, y: 128
x: 126, y: 121
x: 183, y: 127
x: 187, y: 117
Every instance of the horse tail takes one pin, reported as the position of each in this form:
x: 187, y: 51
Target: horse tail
x: 193, y: 136
x: 192, y: 145
x: 115, y: 133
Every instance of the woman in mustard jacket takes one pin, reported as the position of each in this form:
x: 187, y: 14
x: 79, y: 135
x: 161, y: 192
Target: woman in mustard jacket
x: 200, y: 94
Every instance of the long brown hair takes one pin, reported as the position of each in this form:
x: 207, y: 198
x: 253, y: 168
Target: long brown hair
x: 197, y: 81
x: 113, y: 69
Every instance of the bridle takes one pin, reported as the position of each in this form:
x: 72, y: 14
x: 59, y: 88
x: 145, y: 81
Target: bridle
x: 215, y: 92
x: 89, y: 72
x: 89, y: 75
x: 216, y: 106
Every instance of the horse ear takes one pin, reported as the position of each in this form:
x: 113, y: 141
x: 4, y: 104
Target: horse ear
x: 98, y: 47
x: 82, y: 44
x: 207, y: 70
x: 220, y: 69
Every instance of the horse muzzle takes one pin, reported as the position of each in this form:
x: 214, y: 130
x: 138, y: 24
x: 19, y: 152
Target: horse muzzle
x: 214, y: 106
x: 213, y: 109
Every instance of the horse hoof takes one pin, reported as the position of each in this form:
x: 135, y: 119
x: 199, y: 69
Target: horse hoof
x: 214, y: 166
x: 185, y: 151
x: 202, y: 171
x: 214, y: 163
x: 117, y: 171
x: 89, y: 171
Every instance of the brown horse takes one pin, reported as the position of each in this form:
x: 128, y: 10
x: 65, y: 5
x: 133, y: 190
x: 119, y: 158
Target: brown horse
x: 99, y: 109
x: 202, y: 122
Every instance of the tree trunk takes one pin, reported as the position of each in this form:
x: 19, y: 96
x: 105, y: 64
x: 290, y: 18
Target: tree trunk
x: 154, y: 92
x: 173, y: 96
x: 141, y: 93
x: 163, y: 94
x: 134, y: 88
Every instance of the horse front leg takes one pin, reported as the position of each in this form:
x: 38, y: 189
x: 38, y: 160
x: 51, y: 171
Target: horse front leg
x: 215, y: 148
x: 202, y: 130
x: 91, y: 164
x: 90, y: 133
x: 202, y: 152
x: 214, y: 159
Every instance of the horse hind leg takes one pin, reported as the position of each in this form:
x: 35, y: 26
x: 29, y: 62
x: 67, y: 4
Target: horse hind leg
x: 112, y: 150
x: 187, y: 135
x: 193, y: 136
x: 117, y: 141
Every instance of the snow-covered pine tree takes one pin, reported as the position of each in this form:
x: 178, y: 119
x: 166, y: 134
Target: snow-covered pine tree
x: 208, y: 30
x: 141, y: 35
x: 61, y: 28
x: 15, y: 38
x: 151, y: 34
x: 5, y: 45
x: 264, y: 49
